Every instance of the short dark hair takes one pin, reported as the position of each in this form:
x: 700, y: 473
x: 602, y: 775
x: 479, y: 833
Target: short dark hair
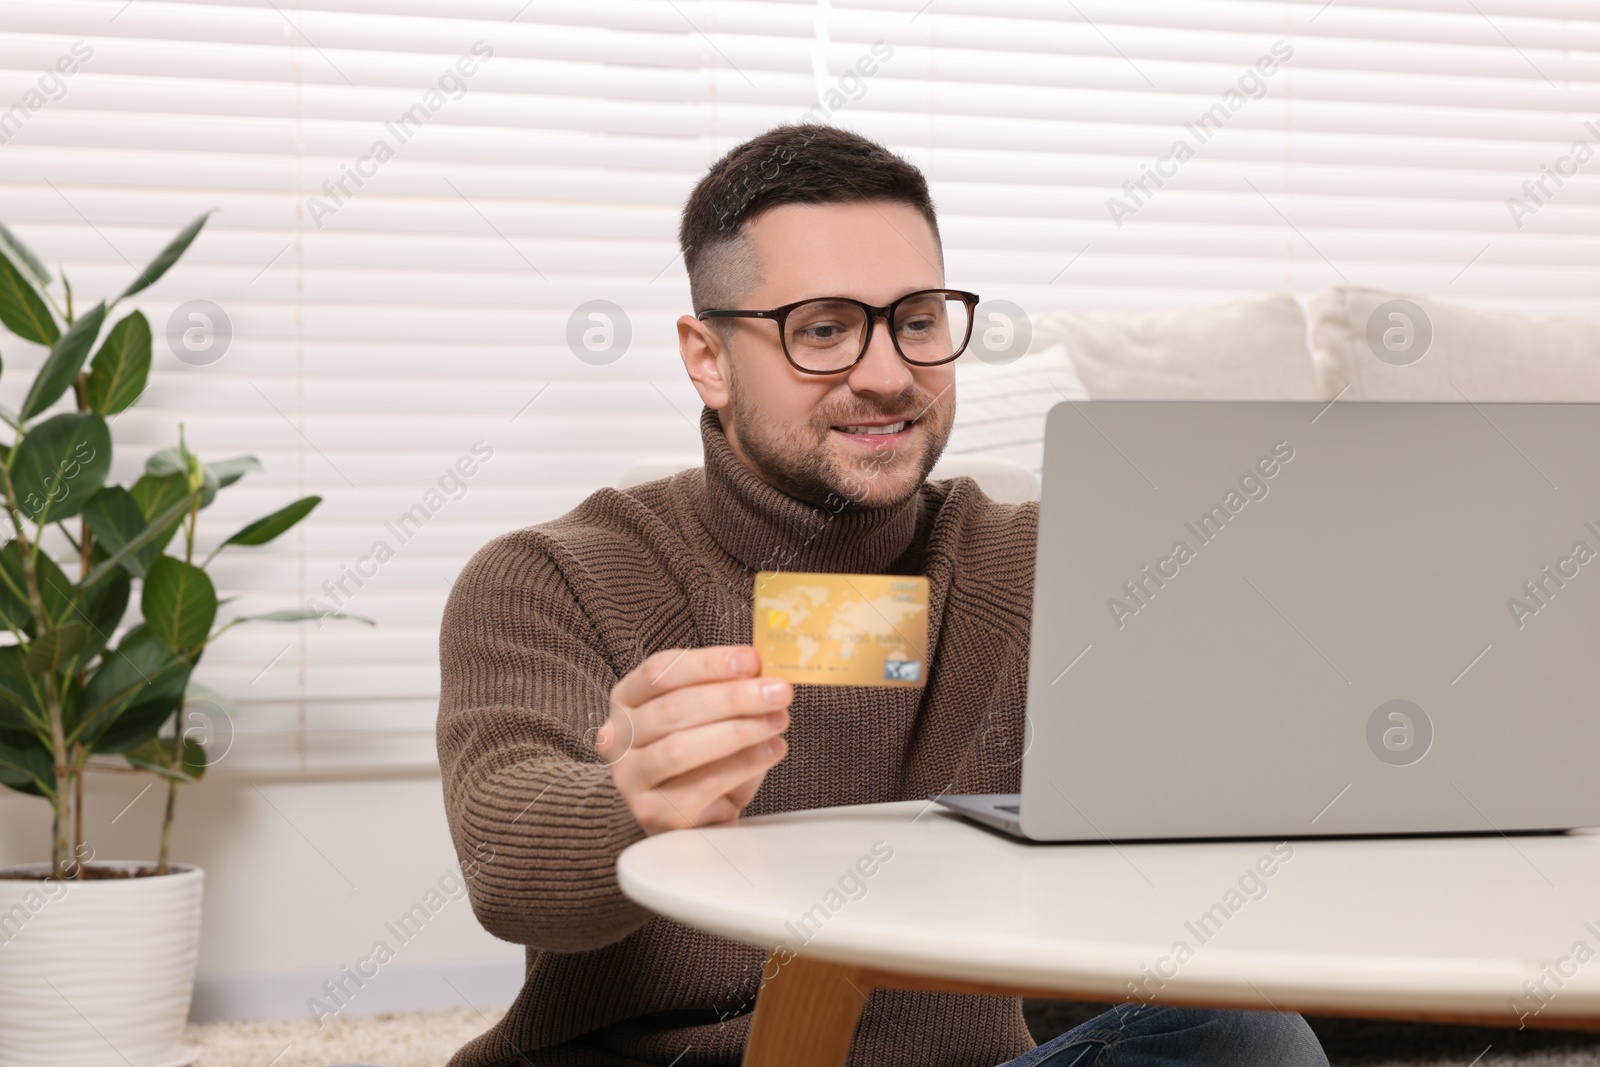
x: 805, y: 163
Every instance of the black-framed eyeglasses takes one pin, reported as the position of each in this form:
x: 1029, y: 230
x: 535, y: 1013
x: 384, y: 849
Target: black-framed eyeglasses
x: 830, y: 334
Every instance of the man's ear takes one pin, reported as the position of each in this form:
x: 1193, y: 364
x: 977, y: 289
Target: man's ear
x: 705, y: 357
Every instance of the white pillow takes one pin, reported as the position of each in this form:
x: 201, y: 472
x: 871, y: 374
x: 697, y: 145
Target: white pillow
x: 1000, y: 408
x: 650, y: 470
x: 1002, y: 480
x: 1248, y: 349
x: 1471, y: 354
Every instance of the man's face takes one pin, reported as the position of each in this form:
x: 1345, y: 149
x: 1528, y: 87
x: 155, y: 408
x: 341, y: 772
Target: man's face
x: 805, y: 434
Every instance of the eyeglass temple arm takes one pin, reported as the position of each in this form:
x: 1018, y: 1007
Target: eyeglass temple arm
x: 716, y: 313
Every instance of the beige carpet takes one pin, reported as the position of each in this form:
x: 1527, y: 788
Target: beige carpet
x: 403, y: 1039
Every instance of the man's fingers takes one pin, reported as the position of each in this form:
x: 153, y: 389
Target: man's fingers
x: 692, y: 794
x: 697, y: 705
x: 682, y: 751
x: 745, y: 791
x: 720, y: 810
x: 614, y: 738
x: 673, y: 668
x: 692, y: 733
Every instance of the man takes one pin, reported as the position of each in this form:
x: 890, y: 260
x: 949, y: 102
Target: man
x: 598, y: 682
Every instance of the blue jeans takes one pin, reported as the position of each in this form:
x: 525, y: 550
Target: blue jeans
x: 1151, y: 1035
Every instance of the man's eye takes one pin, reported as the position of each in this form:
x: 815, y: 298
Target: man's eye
x: 821, y: 334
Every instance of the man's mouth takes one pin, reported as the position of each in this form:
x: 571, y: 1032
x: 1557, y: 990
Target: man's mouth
x: 878, y: 433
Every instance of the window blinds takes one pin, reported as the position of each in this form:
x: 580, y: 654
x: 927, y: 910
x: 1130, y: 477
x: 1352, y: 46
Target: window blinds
x: 423, y: 206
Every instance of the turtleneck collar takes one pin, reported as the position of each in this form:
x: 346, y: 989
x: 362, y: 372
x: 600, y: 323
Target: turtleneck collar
x: 766, y: 529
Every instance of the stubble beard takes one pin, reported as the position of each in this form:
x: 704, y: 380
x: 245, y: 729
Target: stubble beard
x: 799, y: 461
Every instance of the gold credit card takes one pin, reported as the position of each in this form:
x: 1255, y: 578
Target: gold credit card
x: 842, y: 629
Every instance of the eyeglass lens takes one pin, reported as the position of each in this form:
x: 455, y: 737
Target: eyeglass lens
x: 826, y: 335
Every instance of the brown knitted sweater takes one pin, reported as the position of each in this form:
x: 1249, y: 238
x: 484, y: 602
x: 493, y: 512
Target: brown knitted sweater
x: 543, y: 621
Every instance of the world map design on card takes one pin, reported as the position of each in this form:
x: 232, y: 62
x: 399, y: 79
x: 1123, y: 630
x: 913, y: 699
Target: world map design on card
x: 842, y: 629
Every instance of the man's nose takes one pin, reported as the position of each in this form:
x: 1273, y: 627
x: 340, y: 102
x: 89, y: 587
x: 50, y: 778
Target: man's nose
x: 881, y: 370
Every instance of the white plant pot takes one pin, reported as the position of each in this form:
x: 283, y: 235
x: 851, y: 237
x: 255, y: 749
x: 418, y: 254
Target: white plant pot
x: 98, y: 973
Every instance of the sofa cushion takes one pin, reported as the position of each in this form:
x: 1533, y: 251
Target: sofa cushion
x: 1389, y: 346
x: 1248, y: 349
x: 1000, y: 407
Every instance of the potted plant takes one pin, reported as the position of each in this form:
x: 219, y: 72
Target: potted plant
x: 97, y: 958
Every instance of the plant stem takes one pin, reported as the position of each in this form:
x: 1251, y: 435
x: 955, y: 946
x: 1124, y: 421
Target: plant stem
x: 166, y: 826
x: 77, y: 811
x: 30, y: 574
x: 80, y: 389
x: 60, y: 847
x: 62, y: 800
x: 56, y: 815
x: 194, y: 520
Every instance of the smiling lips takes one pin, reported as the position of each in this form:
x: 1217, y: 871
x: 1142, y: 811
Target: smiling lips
x: 877, y: 434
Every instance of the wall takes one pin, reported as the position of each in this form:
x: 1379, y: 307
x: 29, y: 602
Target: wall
x: 302, y: 874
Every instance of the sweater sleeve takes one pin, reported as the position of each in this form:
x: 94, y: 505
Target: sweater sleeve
x: 536, y: 819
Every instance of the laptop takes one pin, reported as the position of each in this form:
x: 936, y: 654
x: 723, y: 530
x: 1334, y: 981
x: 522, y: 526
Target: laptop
x: 1290, y: 619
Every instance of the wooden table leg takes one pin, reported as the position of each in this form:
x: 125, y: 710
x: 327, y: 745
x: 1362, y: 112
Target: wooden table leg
x: 806, y: 1014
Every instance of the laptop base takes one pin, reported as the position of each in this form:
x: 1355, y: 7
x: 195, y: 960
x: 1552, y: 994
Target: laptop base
x: 998, y: 811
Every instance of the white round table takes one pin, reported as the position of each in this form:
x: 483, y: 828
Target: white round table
x: 1491, y: 929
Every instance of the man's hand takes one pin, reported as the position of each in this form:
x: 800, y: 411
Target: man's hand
x: 692, y: 733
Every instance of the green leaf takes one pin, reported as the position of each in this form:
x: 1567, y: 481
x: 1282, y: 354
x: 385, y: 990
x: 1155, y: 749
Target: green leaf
x: 120, y: 369
x: 137, y: 723
x: 302, y: 615
x: 194, y: 758
x: 22, y: 309
x: 156, y: 755
x: 161, y: 527
x: 179, y: 603
x: 64, y: 362
x: 11, y: 246
x: 20, y: 705
x: 263, y: 530
x: 60, y: 464
x: 12, y: 419
x: 101, y: 607
x: 115, y: 518
x: 57, y: 650
x: 156, y: 493
x: 177, y: 759
x: 15, y: 611
x: 55, y: 589
x: 165, y: 462
x: 141, y: 678
x: 168, y: 256
x: 25, y: 764
x: 209, y: 484
x: 170, y: 470
x: 229, y: 471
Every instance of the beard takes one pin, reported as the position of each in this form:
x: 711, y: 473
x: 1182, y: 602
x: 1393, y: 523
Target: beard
x: 805, y: 460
